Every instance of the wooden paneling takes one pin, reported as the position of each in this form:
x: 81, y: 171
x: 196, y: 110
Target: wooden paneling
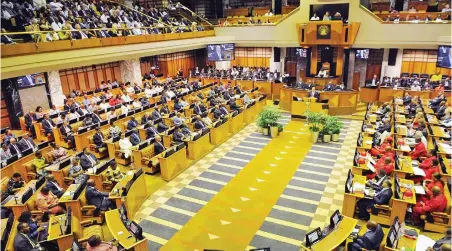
x: 422, y: 61
x: 5, y: 122
x: 91, y: 80
x: 81, y: 81
x: 340, y: 61
x: 314, y: 60
x: 373, y: 70
x: 356, y: 76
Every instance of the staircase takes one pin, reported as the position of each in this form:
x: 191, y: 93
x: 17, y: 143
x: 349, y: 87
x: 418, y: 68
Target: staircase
x: 359, y: 114
x: 190, y: 15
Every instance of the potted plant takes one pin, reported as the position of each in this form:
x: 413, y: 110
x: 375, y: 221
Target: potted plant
x: 268, y: 119
x: 336, y: 129
x: 316, y: 121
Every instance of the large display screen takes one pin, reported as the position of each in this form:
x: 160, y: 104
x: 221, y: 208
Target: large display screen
x: 362, y: 53
x: 220, y: 52
x: 444, y: 56
x: 31, y: 80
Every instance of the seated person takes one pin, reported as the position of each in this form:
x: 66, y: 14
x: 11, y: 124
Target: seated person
x: 88, y: 120
x: 419, y: 150
x: 429, y: 184
x: 95, y: 117
x: 15, y: 183
x: 437, y: 203
x: 323, y: 73
x: 15, y: 148
x: 126, y: 147
x: 96, y: 244
x: 370, y: 240
x: 27, y: 142
x: 96, y: 198
x: 380, y: 198
x: 233, y: 105
x: 151, y: 132
x: 340, y: 87
x: 207, y: 121
x: 34, y: 227
x: 429, y: 157
x: 445, y: 241
x: 53, y: 186
x: 387, y: 166
x: 22, y: 241
x: 39, y: 162
x: 5, y: 153
x: 178, y: 120
x: 58, y: 152
x: 46, y: 201
x: 178, y: 136
x: 48, y: 125
x: 329, y: 87
x: 68, y: 135
x: 76, y: 171
x: 146, y: 118
x: 161, y: 127
x: 87, y: 159
x: 314, y: 94
x: 385, y: 127
x: 99, y: 138
x: 132, y: 124
x: 380, y: 150
x: 199, y: 124
x: 113, y: 174
x: 164, y: 110
x: 158, y: 145
x: 155, y: 115
x: 199, y: 108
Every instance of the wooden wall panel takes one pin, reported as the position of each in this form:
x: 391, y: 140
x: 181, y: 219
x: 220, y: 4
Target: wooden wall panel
x: 100, y: 75
x: 91, y: 79
x: 65, y: 85
x: 82, y: 81
x: 340, y: 61
x: 71, y: 82
x: 117, y: 73
x: 422, y: 61
x: 314, y: 60
x: 5, y: 121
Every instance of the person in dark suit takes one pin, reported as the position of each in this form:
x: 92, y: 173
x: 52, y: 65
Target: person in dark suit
x: 96, y: 119
x: 217, y: 114
x: 155, y: 115
x: 199, y: 108
x: 370, y: 240
x: 441, y: 111
x: 178, y: 136
x: 314, y: 94
x: 164, y: 109
x: 329, y: 87
x: 145, y: 118
x: 30, y: 118
x: 96, y: 198
x: 47, y: 125
x: 132, y: 124
x: 217, y: 55
x: 151, y: 132
x: 68, y: 134
x: 53, y: 185
x: 233, y: 105
x: 158, y: 146
x: 87, y: 159
x: 340, y: 87
x: 99, y: 138
x: 406, y: 99
x: 27, y: 142
x: 380, y: 198
x: 198, y: 123
x: 238, y: 90
x: 385, y: 127
x: 15, y: 148
x: 22, y: 242
x: 161, y: 127
x: 134, y: 138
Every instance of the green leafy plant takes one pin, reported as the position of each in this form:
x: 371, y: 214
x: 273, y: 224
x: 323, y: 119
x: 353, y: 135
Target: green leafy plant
x: 336, y: 129
x: 316, y: 120
x: 268, y: 117
x: 280, y: 128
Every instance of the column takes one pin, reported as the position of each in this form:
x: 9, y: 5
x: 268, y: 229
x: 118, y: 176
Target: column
x: 130, y: 71
x: 351, y: 68
x: 301, y: 66
x: 56, y: 90
x: 361, y: 66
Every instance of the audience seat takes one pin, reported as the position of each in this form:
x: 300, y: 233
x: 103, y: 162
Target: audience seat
x: 384, y: 214
x: 414, y: 75
x: 88, y: 210
x: 424, y: 76
x: 143, y: 159
x: 85, y: 229
x: 12, y: 236
x: 438, y: 222
x: 404, y: 74
x: 101, y: 152
x: 118, y: 155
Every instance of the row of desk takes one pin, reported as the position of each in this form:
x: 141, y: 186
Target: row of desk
x: 382, y: 94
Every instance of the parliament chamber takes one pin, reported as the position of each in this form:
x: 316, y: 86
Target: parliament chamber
x: 275, y: 125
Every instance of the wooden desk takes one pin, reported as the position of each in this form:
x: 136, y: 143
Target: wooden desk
x: 350, y: 199
x: 136, y: 195
x: 59, y: 173
x: 406, y: 167
x: 81, y: 140
x: 336, y: 237
x: 68, y: 201
x: 400, y: 118
x: 324, y: 81
x: 173, y: 165
x: 18, y: 165
x: 199, y: 148
x: 116, y: 192
x: 439, y: 132
x: 219, y: 134
x: 420, y: 94
x: 404, y: 242
x: 399, y: 206
x: 245, y: 85
x: 387, y: 94
x: 369, y: 95
x: 236, y: 123
x: 63, y: 240
x: 418, y: 5
x: 121, y: 233
x: 249, y: 114
x: 18, y: 207
x: 264, y: 87
x: 299, y: 108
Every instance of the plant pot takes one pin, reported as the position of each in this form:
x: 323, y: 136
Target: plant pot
x: 314, y: 136
x: 335, y: 137
x: 274, y: 131
x: 266, y: 131
x: 326, y: 138
x: 260, y: 129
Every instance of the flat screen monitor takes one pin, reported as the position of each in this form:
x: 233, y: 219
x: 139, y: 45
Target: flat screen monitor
x: 335, y: 218
x: 349, y: 182
x: 137, y: 174
x: 169, y: 152
x: 121, y: 116
x: 220, y: 52
x: 136, y: 230
x: 261, y: 249
x: 82, y: 130
x: 123, y: 213
x: 76, y: 246
x: 362, y: 54
x: 313, y: 237
x: 128, y: 133
x: 142, y: 145
x: 444, y: 56
x: 31, y: 80
x: 43, y: 145
x: 396, y: 224
x: 40, y: 182
x: 64, y: 163
x: 27, y: 152
x: 27, y: 195
x: 117, y: 138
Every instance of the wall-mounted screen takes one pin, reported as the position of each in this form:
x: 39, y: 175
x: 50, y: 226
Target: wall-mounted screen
x: 31, y: 80
x: 301, y: 52
x: 444, y: 56
x: 362, y: 53
x: 220, y: 52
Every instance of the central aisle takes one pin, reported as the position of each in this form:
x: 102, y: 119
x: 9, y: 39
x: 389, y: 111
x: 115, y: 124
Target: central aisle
x: 231, y: 218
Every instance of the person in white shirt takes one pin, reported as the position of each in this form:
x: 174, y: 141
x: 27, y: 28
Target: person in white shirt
x: 126, y: 97
x: 73, y: 115
x: 136, y: 29
x: 55, y: 6
x: 136, y: 103
x: 438, y: 18
x: 315, y: 17
x: 268, y: 14
x: 104, y: 105
x: 446, y: 8
x: 108, y: 94
x: 415, y: 87
x: 124, y: 109
x: 126, y: 147
x: 111, y: 114
x: 83, y: 110
x: 130, y: 89
x: 170, y: 93
x: 54, y: 110
x: 148, y: 92
x: 94, y: 99
x: 104, y: 17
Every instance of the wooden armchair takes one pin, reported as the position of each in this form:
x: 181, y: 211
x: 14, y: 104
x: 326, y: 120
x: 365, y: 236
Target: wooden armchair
x: 59, y: 138
x: 101, y: 152
x: 106, y: 184
x: 381, y: 213
x: 85, y: 229
x: 89, y: 211
x: 119, y: 156
x: 67, y: 180
x: 31, y: 205
x: 30, y: 171
x: 145, y: 158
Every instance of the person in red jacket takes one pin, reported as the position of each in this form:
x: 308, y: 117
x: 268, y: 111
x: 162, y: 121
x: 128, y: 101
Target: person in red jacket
x: 429, y: 157
x: 388, y: 167
x: 379, y: 150
x: 428, y: 187
x: 419, y: 150
x: 437, y: 203
x: 434, y: 168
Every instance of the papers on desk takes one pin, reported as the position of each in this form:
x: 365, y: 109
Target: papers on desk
x: 371, y: 160
x: 419, y: 189
x: 371, y: 167
x: 423, y: 243
x: 405, y: 148
x: 417, y: 171
x: 446, y: 148
x: 414, y: 162
x: 368, y: 142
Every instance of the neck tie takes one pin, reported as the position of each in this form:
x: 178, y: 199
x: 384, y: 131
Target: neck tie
x: 50, y: 124
x: 91, y: 160
x: 101, y: 137
x: 162, y: 146
x: 15, y: 148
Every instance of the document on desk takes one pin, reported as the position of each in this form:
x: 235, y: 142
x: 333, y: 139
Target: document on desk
x: 405, y: 148
x: 423, y: 243
x: 368, y: 142
x: 417, y: 171
x: 446, y: 148
x: 371, y: 160
x: 419, y: 189
x: 371, y: 167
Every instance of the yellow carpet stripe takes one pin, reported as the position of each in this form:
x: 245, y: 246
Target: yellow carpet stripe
x: 304, y: 189
x: 154, y: 238
x: 221, y: 173
x: 310, y: 180
x: 313, y: 172
x: 287, y: 223
x: 278, y: 238
x: 182, y: 197
x: 177, y: 210
x: 299, y: 199
x: 226, y: 165
x: 211, y: 181
x: 163, y: 222
x: 201, y: 189
x: 295, y: 211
